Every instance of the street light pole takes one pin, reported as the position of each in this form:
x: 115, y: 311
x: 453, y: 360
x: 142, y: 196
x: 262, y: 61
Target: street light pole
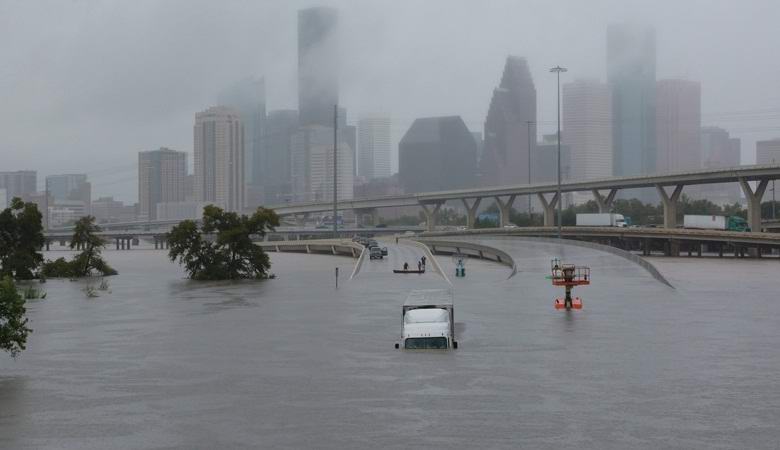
x: 530, y: 218
x: 335, y: 170
x: 773, y: 196
x: 558, y: 70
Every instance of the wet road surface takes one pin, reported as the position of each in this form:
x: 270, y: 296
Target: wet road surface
x: 163, y: 362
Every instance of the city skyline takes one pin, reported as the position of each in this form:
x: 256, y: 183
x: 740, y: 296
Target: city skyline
x: 113, y: 171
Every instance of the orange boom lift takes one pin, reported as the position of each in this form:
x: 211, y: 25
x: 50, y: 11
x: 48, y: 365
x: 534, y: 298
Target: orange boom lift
x: 568, y: 276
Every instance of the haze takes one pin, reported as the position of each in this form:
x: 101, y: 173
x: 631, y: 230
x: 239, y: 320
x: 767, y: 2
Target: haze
x: 86, y: 85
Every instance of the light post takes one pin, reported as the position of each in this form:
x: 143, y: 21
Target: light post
x: 530, y: 217
x: 773, y: 196
x: 558, y: 70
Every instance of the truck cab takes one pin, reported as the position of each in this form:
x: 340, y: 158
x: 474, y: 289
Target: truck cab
x: 375, y: 253
x: 428, y: 321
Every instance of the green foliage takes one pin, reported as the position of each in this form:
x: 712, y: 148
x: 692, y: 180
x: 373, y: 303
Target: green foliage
x: 82, y: 265
x: 13, y: 323
x: 231, y: 254
x: 21, y: 238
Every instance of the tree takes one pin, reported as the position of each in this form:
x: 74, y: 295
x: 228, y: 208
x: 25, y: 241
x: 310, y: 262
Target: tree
x: 21, y: 239
x: 222, y: 249
x: 13, y: 323
x: 85, y: 238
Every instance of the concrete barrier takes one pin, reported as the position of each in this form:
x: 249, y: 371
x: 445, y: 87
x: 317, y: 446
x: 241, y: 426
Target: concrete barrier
x: 471, y: 249
x: 325, y: 246
x: 430, y: 256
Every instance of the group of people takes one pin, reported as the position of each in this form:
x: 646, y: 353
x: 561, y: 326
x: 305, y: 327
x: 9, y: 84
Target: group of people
x: 420, y: 264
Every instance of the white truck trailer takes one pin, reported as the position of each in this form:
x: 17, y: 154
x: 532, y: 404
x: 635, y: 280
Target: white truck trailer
x: 428, y: 320
x: 601, y: 220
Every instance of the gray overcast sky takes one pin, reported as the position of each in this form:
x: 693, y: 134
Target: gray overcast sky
x: 85, y: 85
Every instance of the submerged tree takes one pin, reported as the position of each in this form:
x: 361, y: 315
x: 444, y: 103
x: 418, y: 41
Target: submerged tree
x: 21, y: 240
x: 13, y: 323
x: 82, y: 265
x: 222, y: 249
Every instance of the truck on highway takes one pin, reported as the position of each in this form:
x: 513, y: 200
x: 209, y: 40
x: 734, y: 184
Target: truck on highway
x: 601, y: 220
x: 428, y: 321
x: 723, y: 223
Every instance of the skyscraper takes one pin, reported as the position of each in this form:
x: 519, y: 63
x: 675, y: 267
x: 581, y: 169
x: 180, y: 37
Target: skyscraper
x: 374, y: 147
x: 161, y: 178
x: 506, y: 140
x: 219, y: 158
x: 678, y: 125
x: 318, y: 66
x: 280, y: 127
x: 587, y: 125
x: 437, y: 153
x: 248, y: 98
x: 631, y: 77
x: 18, y: 184
x: 768, y: 152
x: 312, y: 165
x: 718, y: 150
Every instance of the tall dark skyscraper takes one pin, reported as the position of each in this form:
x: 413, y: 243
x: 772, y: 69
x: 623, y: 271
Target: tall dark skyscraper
x: 437, y: 153
x: 631, y: 77
x: 280, y: 127
x: 506, y: 142
x: 318, y: 66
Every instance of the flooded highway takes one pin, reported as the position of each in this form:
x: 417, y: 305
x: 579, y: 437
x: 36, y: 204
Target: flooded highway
x: 162, y: 362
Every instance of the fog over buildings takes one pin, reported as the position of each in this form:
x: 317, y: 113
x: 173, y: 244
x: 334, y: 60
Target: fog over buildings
x: 86, y: 86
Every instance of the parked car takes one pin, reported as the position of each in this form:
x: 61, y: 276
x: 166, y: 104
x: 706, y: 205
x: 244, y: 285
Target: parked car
x: 384, y: 251
x: 375, y: 253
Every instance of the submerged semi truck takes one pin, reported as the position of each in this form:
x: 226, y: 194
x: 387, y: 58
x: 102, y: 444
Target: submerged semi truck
x: 428, y: 321
x: 601, y: 220
x: 724, y: 223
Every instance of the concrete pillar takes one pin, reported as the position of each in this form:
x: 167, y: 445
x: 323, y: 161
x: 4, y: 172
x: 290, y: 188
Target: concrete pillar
x: 430, y: 210
x: 754, y: 202
x: 549, y: 208
x: 47, y: 245
x: 122, y: 243
x: 670, y: 204
x: 300, y: 220
x: 605, y: 203
x: 116, y: 240
x: 471, y: 211
x: 504, y: 209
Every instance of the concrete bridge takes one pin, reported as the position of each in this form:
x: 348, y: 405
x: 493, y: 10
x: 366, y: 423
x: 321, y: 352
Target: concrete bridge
x: 669, y: 187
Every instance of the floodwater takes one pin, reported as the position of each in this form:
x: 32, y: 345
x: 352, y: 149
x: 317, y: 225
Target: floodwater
x: 162, y: 362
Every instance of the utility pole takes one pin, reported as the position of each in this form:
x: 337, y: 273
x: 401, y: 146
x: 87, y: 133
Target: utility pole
x: 773, y: 196
x: 46, y: 201
x: 335, y: 169
x: 558, y: 70
x: 530, y: 218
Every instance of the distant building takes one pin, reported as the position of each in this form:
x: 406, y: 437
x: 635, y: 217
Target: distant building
x: 180, y: 210
x: 768, y: 152
x: 312, y: 165
x: 3, y: 199
x: 544, y: 167
x: 248, y: 98
x: 678, y: 125
x: 280, y: 127
x: 374, y: 147
x: 507, y: 143
x: 480, y: 144
x: 69, y: 188
x: 162, y: 177
x: 587, y: 128
x: 219, y: 158
x: 108, y: 210
x: 437, y: 153
x: 18, y: 184
x: 318, y: 65
x: 66, y: 212
x: 718, y: 150
x: 631, y: 77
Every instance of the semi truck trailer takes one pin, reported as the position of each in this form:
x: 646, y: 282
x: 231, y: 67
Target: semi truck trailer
x: 601, y: 220
x: 724, y: 223
x: 428, y: 321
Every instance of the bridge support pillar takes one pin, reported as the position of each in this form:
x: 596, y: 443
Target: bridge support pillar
x: 373, y: 213
x: 300, y: 220
x: 471, y: 211
x: 670, y: 204
x: 116, y: 241
x: 430, y: 210
x: 549, y: 208
x: 48, y: 243
x: 754, y: 202
x: 504, y: 210
x: 605, y: 203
